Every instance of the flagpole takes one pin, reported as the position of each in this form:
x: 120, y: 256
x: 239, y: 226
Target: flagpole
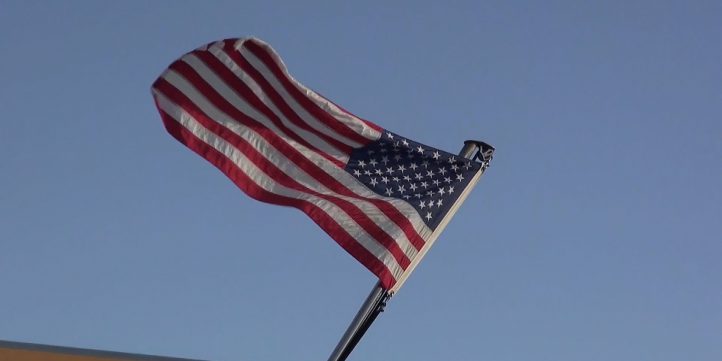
x: 377, y: 298
x: 374, y: 304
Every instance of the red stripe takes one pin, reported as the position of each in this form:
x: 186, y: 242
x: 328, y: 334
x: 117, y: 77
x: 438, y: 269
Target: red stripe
x: 277, y: 99
x: 389, y: 210
x: 274, y: 172
x: 262, y: 54
x: 330, y: 226
x: 227, y: 76
x: 371, y: 124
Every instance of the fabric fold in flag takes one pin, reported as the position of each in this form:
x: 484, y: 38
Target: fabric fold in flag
x: 379, y: 195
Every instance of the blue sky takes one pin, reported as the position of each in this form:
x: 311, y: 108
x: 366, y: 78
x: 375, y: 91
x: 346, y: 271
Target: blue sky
x: 595, y: 235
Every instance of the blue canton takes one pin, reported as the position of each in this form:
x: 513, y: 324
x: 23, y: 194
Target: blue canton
x: 427, y: 178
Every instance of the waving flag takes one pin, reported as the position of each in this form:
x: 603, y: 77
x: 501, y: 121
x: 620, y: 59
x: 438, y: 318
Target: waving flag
x: 383, y: 197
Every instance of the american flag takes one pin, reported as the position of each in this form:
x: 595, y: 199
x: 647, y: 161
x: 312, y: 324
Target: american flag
x: 383, y: 197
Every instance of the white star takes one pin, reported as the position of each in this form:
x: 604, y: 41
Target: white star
x: 425, y: 163
x: 367, y: 172
x: 402, y: 189
x: 417, y: 195
x: 384, y: 159
x: 420, y: 150
x: 378, y: 171
x: 430, y: 173
x: 430, y: 193
x: 459, y: 177
x: 422, y: 204
x: 406, y: 196
x: 389, y: 191
x: 436, y: 155
x: 428, y: 215
x: 373, y: 162
x: 436, y: 182
x: 357, y: 173
x: 405, y: 143
x: 395, y: 179
x: 407, y: 178
x: 391, y: 136
x: 442, y: 171
x: 362, y: 164
x: 413, y: 186
x: 413, y: 166
x: 451, y: 190
x: 447, y: 179
x: 374, y: 182
x: 439, y: 203
x: 424, y: 184
x: 418, y: 176
x: 389, y: 170
x: 442, y: 191
x: 402, y: 168
x: 452, y: 159
x: 385, y: 180
x: 454, y: 167
x: 467, y: 165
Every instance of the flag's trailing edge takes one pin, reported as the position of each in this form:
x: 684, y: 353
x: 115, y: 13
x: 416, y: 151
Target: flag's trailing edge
x: 383, y: 197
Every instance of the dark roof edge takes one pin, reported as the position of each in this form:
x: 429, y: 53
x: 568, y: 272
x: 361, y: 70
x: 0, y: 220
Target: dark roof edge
x: 86, y: 352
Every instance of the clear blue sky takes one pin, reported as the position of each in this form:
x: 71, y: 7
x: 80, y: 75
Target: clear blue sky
x: 595, y: 235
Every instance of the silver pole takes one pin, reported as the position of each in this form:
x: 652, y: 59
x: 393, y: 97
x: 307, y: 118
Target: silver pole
x: 376, y: 300
x: 351, y: 337
x: 469, y: 149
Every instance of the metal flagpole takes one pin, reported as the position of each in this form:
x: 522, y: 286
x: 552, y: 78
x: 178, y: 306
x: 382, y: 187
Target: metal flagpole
x: 374, y: 304
x: 376, y: 300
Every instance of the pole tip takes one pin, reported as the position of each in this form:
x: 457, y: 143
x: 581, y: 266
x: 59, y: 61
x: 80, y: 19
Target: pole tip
x: 477, y: 149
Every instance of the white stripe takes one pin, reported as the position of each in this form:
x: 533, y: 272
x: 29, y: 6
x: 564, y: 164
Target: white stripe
x: 223, y: 57
x: 336, y: 112
x: 217, y: 51
x: 353, y: 122
x: 241, y: 104
x: 179, y: 82
x: 267, y: 183
x: 277, y: 158
x: 299, y: 109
